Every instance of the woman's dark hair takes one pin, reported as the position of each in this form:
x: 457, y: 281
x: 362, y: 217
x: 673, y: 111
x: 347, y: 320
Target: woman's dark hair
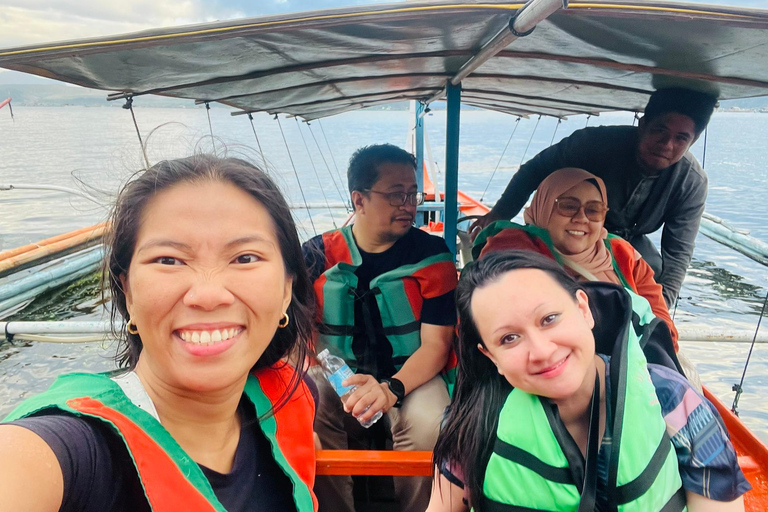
x: 469, y: 429
x: 125, y: 220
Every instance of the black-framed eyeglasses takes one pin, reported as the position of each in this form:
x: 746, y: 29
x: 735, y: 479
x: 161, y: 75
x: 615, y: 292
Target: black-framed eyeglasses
x: 400, y: 198
x: 570, y: 207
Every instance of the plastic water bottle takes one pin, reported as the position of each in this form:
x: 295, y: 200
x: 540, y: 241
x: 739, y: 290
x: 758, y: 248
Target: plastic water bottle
x: 337, y: 371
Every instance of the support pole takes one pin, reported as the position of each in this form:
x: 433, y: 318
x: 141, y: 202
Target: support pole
x: 419, y: 153
x: 522, y: 23
x: 452, y: 165
x: 419, y: 145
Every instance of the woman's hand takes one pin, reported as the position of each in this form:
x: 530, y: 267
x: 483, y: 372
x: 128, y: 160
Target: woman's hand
x: 481, y: 223
x: 698, y: 503
x: 370, y: 394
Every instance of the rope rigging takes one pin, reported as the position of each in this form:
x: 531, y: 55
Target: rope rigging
x: 314, y: 168
x: 704, y: 154
x: 330, y: 152
x: 210, y: 126
x: 261, y: 151
x: 738, y: 388
x: 587, y: 123
x: 555, y: 132
x: 129, y: 106
x: 295, y: 172
x: 529, y: 141
x: 517, y: 123
x: 344, y: 199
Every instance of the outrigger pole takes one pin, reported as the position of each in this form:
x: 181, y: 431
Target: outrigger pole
x: 520, y: 25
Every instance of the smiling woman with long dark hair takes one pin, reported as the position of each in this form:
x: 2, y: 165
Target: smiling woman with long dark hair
x: 556, y: 407
x: 206, y: 275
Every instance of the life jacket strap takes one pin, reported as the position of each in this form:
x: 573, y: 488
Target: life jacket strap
x: 589, y: 489
x: 522, y: 457
x: 676, y: 503
x: 640, y: 485
x: 495, y: 506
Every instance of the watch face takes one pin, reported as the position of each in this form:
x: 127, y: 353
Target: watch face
x: 397, y: 387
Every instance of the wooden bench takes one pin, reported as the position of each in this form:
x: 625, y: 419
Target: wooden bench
x: 374, y: 462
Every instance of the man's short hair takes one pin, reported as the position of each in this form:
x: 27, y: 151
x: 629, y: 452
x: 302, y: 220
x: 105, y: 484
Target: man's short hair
x: 694, y: 104
x: 363, y: 170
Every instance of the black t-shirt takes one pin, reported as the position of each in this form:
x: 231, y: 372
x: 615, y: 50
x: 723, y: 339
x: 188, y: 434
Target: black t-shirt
x: 414, y: 247
x: 99, y: 475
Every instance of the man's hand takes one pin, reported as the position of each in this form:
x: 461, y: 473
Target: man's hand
x: 370, y: 394
x: 481, y: 223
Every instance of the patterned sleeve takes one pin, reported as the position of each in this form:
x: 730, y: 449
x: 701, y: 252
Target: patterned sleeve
x: 706, y: 457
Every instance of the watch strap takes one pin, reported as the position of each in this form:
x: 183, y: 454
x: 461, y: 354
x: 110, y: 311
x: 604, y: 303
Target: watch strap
x: 397, y: 388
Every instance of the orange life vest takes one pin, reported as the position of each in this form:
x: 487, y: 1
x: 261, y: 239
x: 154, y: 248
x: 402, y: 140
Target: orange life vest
x: 171, y: 480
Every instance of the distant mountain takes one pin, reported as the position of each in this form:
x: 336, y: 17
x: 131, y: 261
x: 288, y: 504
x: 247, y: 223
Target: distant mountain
x: 56, y: 94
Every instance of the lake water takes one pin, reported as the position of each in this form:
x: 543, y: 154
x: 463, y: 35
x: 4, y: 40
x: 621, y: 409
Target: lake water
x: 96, y: 150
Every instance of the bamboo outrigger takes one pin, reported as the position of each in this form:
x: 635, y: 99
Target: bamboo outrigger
x: 590, y: 58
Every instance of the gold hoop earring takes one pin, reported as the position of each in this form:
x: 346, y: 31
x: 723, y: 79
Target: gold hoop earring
x: 131, y: 327
x: 283, y: 323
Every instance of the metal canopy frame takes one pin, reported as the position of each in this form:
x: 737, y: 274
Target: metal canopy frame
x: 590, y: 58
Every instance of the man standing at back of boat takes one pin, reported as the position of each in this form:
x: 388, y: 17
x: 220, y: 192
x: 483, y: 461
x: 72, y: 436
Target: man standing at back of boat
x: 651, y: 179
x: 386, y: 306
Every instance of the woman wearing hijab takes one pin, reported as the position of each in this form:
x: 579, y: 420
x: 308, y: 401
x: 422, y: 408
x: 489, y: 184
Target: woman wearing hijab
x: 565, y: 221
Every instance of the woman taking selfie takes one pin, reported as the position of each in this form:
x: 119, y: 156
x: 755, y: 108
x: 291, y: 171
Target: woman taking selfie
x: 205, y: 272
x: 565, y: 221
x: 556, y: 408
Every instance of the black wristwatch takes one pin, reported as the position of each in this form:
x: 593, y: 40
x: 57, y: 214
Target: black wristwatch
x: 397, y: 388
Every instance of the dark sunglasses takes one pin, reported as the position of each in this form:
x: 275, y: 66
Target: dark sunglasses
x: 570, y: 206
x: 400, y: 198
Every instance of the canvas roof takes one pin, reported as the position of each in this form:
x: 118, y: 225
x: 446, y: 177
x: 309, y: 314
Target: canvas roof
x: 589, y: 58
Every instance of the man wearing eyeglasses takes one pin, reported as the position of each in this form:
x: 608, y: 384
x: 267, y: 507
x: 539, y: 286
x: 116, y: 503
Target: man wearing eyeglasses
x: 385, y: 295
x: 652, y: 179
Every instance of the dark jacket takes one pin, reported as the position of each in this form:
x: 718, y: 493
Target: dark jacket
x: 639, y: 204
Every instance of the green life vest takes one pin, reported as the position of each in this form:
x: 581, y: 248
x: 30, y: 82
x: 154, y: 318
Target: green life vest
x: 170, y: 478
x: 535, y: 464
x: 399, y: 296
x: 542, y: 242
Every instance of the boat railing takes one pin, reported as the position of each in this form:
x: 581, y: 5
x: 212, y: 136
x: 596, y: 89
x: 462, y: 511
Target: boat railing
x: 374, y: 462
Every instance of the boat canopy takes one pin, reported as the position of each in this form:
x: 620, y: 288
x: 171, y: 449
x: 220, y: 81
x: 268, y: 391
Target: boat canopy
x: 588, y: 58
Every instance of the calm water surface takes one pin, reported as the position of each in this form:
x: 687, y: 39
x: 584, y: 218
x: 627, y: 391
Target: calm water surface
x: 96, y: 150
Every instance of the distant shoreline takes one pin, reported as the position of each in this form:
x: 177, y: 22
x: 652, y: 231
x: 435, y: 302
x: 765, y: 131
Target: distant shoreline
x: 62, y: 95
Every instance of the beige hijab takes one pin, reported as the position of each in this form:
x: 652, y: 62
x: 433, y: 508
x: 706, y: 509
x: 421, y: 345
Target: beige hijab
x: 595, y: 263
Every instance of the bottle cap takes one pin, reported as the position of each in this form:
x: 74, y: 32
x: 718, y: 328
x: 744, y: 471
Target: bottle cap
x: 322, y: 355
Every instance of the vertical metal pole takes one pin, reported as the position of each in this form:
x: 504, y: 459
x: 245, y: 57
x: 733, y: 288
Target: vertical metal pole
x: 452, y: 165
x: 419, y: 150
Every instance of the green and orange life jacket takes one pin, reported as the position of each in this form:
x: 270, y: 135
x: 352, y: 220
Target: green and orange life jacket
x: 535, y: 465
x: 172, y: 481
x: 399, y: 294
x: 622, y: 252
